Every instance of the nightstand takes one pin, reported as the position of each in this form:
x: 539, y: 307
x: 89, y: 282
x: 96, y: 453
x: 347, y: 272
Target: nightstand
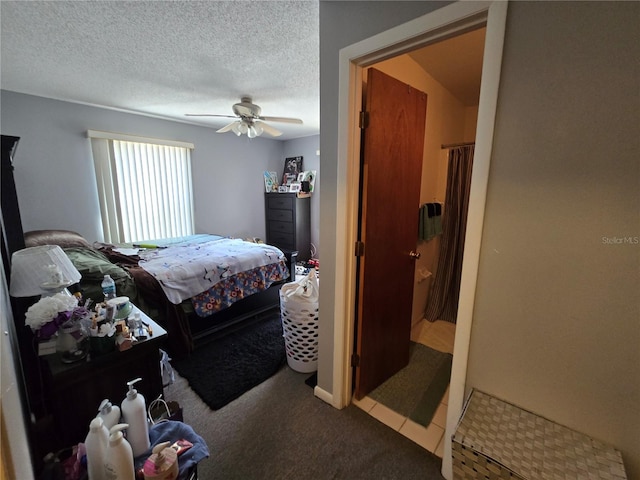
x: 75, y: 391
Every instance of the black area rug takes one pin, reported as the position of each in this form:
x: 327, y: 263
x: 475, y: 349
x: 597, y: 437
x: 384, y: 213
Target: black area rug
x: 223, y: 369
x: 417, y: 390
x: 312, y: 381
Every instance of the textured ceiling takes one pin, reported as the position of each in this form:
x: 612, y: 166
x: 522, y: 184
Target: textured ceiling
x: 168, y: 58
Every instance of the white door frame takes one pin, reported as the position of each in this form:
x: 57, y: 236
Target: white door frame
x: 446, y: 22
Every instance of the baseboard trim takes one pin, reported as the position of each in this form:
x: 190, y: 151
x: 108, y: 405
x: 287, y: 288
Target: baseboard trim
x: 324, y: 396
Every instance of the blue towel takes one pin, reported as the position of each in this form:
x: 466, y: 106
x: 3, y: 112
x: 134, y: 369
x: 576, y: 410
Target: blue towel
x: 170, y: 431
x: 430, y: 221
x: 437, y: 225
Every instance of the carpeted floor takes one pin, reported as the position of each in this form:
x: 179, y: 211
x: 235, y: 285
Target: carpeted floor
x: 223, y: 369
x: 279, y: 430
x: 416, y: 390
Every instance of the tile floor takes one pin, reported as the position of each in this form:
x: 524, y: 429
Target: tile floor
x: 438, y: 335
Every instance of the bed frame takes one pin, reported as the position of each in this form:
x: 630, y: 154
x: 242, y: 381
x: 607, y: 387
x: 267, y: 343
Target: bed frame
x: 255, y: 307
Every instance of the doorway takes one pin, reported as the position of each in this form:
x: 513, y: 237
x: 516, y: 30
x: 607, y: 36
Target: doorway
x: 449, y: 72
x: 446, y: 22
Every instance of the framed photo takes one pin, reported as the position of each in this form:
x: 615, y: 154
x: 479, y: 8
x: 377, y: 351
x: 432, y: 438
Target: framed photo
x: 270, y: 182
x: 300, y: 178
x: 294, y: 188
x: 283, y: 189
x: 309, y: 176
x: 292, y: 166
x: 289, y: 178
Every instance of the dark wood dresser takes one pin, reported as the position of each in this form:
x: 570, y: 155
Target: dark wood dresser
x: 75, y: 390
x: 288, y: 223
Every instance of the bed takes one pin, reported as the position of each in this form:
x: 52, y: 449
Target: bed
x: 195, y: 287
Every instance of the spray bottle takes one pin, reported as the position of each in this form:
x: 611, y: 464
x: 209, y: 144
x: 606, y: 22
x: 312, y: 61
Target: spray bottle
x: 134, y: 411
x: 96, y: 444
x: 119, y: 460
x: 109, y: 413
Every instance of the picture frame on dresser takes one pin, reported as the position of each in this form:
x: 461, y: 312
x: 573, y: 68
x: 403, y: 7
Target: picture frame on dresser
x: 270, y: 182
x: 292, y: 167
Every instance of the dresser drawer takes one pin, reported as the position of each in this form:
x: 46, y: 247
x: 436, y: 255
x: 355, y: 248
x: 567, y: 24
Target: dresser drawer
x: 280, y: 215
x: 281, y: 202
x: 281, y: 227
x: 282, y: 240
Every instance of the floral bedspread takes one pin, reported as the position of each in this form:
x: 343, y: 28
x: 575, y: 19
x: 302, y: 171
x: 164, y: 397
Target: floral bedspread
x: 230, y: 290
x: 188, y: 269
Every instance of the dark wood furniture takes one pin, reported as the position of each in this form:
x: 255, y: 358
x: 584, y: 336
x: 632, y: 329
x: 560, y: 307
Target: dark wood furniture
x: 76, y: 390
x: 19, y: 336
x: 12, y: 238
x: 288, y: 222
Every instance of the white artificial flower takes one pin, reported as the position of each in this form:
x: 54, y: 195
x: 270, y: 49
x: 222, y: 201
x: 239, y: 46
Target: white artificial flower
x: 47, y: 308
x: 106, y: 330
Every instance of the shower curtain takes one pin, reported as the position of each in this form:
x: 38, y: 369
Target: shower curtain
x: 443, y: 298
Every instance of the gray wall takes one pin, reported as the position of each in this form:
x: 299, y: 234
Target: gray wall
x: 557, y: 316
x: 556, y: 325
x: 55, y: 175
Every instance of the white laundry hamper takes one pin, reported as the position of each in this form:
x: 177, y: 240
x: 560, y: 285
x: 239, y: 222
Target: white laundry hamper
x: 299, y: 314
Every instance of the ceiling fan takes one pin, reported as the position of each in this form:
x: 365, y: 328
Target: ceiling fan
x: 249, y: 120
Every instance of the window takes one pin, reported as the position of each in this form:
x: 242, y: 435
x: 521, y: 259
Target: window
x: 144, y: 187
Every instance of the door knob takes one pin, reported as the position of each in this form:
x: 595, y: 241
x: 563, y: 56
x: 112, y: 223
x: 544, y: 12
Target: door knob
x: 413, y: 254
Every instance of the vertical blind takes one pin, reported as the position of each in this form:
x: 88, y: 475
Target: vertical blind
x: 144, y: 189
x: 155, y: 194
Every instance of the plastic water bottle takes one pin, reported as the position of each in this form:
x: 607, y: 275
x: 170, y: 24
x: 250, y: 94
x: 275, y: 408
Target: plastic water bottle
x: 108, y: 288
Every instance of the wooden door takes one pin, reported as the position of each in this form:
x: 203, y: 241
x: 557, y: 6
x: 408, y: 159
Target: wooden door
x: 391, y: 176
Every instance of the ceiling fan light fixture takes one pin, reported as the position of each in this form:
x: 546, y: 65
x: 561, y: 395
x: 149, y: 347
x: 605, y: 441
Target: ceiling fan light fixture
x: 239, y: 127
x: 258, y: 129
x: 249, y: 116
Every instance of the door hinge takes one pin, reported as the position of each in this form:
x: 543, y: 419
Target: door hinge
x: 363, y: 121
x: 359, y: 249
x: 355, y: 360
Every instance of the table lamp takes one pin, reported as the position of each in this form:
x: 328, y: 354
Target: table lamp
x: 44, y: 270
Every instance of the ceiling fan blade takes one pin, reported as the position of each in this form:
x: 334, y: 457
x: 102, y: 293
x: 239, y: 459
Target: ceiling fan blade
x: 281, y: 119
x: 274, y: 132
x: 208, y: 115
x: 227, y: 128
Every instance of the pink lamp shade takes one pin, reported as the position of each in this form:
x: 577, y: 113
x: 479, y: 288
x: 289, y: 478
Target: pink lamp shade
x: 41, y: 270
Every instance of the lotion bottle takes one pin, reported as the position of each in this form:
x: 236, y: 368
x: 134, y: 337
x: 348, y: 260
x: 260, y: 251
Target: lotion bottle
x: 134, y: 412
x: 118, y: 464
x: 109, y: 413
x: 162, y: 464
x: 96, y: 444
